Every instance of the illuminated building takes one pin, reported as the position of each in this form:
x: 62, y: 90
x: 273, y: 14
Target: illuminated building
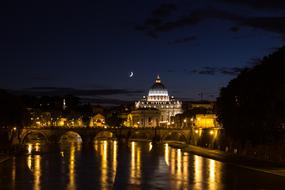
x: 97, y: 121
x: 143, y: 117
x: 206, y: 121
x: 159, y: 99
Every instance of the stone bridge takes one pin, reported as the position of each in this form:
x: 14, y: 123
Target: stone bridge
x: 54, y: 134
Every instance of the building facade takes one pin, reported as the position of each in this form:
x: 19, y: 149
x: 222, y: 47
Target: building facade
x: 158, y: 98
x: 143, y: 117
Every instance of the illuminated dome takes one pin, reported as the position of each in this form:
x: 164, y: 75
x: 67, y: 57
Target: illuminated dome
x: 157, y: 99
x: 158, y: 89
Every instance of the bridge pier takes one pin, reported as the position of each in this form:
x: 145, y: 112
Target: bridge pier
x: 87, y: 139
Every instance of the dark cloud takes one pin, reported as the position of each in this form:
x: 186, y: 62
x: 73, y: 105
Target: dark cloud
x: 153, y: 26
x: 183, y: 40
x: 234, y: 29
x: 216, y: 70
x: 164, y: 10
x: 156, y: 19
x: 230, y: 71
x: 96, y: 96
x: 105, y: 101
x: 55, y: 91
x: 259, y: 4
x: 271, y: 24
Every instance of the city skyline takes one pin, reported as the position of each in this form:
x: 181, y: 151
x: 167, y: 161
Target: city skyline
x: 196, y: 47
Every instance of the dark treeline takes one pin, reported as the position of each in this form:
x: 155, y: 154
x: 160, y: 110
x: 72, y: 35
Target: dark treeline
x: 252, y: 106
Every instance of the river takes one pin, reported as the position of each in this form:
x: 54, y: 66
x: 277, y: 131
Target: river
x: 109, y: 164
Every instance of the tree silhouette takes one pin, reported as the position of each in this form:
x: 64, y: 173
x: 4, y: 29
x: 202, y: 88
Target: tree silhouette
x: 252, y: 106
x: 12, y: 115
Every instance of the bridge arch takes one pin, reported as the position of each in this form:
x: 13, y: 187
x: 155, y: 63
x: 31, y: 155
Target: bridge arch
x: 70, y: 137
x: 141, y: 135
x: 174, y: 136
x: 102, y: 135
x: 34, y: 137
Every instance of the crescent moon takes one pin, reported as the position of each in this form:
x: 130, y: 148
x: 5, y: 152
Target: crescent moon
x: 131, y: 74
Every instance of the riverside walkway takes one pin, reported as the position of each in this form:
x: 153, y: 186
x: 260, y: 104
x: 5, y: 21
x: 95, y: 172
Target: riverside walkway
x: 230, y: 158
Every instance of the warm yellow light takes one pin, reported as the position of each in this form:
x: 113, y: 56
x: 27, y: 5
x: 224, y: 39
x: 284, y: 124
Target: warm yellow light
x: 184, y: 120
x: 196, y: 131
x: 179, y: 161
x: 150, y: 146
x: 14, y: 128
x: 30, y: 147
x: 211, y: 132
x: 166, y: 154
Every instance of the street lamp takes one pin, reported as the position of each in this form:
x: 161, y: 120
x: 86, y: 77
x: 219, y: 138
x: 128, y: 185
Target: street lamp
x: 185, y: 122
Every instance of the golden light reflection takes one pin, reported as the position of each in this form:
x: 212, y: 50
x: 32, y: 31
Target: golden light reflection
x: 150, y: 146
x: 13, y: 173
x: 108, y: 162
x: 172, y: 161
x: 34, y: 164
x: 33, y: 147
x: 96, y: 146
x: 72, y: 161
x: 166, y: 154
x: 178, y: 166
x: 37, y: 147
x: 198, y: 174
x: 212, y: 170
x: 29, y: 162
x: 104, y: 164
x: 214, y: 178
x: 135, y: 167
x: 114, y: 166
x: 179, y: 161
x: 185, y: 168
x: 37, y: 172
x: 30, y: 148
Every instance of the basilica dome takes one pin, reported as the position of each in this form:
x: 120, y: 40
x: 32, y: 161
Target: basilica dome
x: 158, y: 89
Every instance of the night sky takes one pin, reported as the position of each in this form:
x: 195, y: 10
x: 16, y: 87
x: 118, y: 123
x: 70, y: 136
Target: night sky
x: 90, y: 48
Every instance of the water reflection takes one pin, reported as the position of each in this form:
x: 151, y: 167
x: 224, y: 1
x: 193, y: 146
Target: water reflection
x: 214, y: 178
x: 108, y: 156
x: 33, y: 148
x: 13, y: 172
x: 202, y: 172
x: 110, y: 164
x: 178, y: 165
x: 166, y: 154
x: 69, y: 153
x: 135, y: 167
x: 34, y: 164
x: 198, y: 174
x: 207, y: 170
x: 72, y: 161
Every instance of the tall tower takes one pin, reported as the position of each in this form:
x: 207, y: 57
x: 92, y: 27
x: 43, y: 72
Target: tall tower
x: 64, y: 104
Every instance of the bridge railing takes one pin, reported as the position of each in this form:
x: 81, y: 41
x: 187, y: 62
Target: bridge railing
x: 106, y: 128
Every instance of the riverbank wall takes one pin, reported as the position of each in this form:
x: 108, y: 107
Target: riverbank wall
x: 215, y: 139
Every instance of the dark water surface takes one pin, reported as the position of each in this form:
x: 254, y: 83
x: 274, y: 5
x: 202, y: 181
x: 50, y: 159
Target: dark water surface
x: 134, y: 165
